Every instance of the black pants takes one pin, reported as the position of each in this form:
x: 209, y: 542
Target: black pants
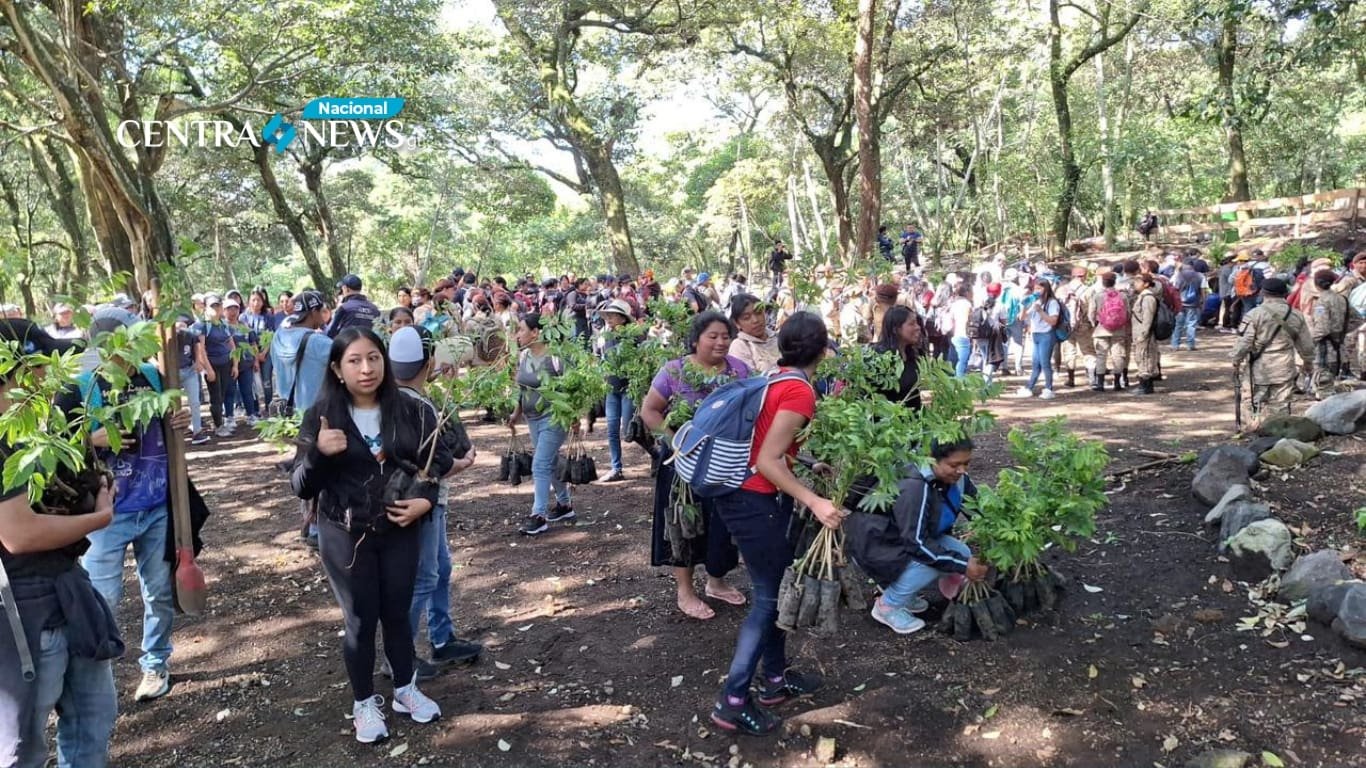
x: 911, y: 259
x: 218, y: 390
x: 376, y: 588
x: 1233, y: 312
x: 777, y: 279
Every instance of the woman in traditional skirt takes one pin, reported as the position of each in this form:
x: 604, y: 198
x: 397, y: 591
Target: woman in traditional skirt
x: 680, y: 385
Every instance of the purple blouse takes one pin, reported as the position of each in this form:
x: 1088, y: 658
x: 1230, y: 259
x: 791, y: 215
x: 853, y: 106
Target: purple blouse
x: 669, y: 381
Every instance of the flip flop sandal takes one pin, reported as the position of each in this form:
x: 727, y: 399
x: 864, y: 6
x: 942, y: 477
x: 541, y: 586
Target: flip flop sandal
x: 734, y: 597
x: 703, y: 613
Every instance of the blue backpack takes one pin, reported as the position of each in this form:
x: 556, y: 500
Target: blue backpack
x: 1190, y: 294
x: 711, y: 451
x: 1063, y: 330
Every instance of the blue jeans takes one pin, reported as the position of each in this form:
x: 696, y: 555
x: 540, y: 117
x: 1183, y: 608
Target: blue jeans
x: 432, y: 587
x: 146, y: 531
x: 962, y: 350
x: 620, y: 411
x: 82, y: 690
x: 1042, y: 359
x: 189, y: 381
x: 758, y: 522
x: 243, y: 392
x: 1186, y: 321
x: 546, y: 439
x: 918, y: 576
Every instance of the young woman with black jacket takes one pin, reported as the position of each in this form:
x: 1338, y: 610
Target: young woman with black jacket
x: 360, y: 433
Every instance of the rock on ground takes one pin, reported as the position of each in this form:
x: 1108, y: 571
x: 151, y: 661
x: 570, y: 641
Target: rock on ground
x: 1234, y: 493
x: 1246, y: 454
x: 1325, y: 602
x: 1219, y: 758
x: 1351, y: 621
x: 1318, y: 569
x: 1224, y: 470
x: 1300, y: 428
x: 1261, y: 549
x: 1340, y: 414
x: 1238, y: 516
x: 1288, y: 453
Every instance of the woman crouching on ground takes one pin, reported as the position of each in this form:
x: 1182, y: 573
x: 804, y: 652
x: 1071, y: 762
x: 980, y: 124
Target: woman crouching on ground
x: 352, y: 441
x: 758, y: 517
x: 688, y: 380
x: 908, y: 550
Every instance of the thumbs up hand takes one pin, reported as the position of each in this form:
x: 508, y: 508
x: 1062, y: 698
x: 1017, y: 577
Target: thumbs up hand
x: 330, y: 441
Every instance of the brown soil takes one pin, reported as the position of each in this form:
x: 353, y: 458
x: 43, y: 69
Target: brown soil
x: 585, y: 643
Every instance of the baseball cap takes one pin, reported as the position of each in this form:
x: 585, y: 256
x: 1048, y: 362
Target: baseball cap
x: 409, y: 351
x: 617, y: 306
x: 994, y: 289
x: 32, y: 338
x: 703, y: 277
x: 109, y: 318
x: 61, y: 307
x: 350, y: 281
x: 212, y: 299
x: 304, y: 303
x: 232, y: 303
x: 1275, y: 286
x: 122, y: 301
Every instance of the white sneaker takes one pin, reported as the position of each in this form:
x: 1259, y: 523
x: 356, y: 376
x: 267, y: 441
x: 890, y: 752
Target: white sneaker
x: 224, y: 431
x: 155, y: 683
x: 368, y: 718
x: 1024, y: 392
x: 251, y: 421
x: 414, y: 703
x: 1047, y: 395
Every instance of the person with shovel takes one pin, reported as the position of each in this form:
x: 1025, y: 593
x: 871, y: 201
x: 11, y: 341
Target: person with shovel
x: 59, y: 637
x: 142, y: 480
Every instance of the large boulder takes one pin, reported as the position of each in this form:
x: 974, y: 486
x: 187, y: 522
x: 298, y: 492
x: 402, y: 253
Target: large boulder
x: 1261, y: 549
x: 1235, y: 493
x: 1310, y: 572
x: 1300, y: 428
x: 1325, y: 602
x: 1246, y: 454
x: 1238, y: 516
x: 1225, y: 469
x: 1351, y: 621
x: 1340, y: 414
x: 1289, y: 453
x: 1261, y: 445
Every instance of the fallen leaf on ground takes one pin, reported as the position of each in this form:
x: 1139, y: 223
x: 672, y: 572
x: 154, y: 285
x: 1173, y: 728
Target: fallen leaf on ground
x: 503, y: 746
x: 400, y: 749
x: 501, y: 665
x: 1092, y: 672
x: 676, y: 681
x: 1170, y: 743
x: 1091, y: 589
x: 1068, y: 712
x: 1271, y: 760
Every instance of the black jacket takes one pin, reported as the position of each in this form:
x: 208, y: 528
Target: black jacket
x: 349, y: 487
x: 355, y: 309
x: 884, y: 545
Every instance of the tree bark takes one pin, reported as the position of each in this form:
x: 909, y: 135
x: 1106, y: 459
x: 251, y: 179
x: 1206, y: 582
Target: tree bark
x: 611, y: 202
x: 1227, y: 53
x: 293, y: 222
x: 321, y: 215
x: 869, y: 155
x: 1109, y: 221
x: 52, y: 164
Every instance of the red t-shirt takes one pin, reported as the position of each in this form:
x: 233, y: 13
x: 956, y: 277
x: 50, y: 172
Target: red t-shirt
x: 796, y: 396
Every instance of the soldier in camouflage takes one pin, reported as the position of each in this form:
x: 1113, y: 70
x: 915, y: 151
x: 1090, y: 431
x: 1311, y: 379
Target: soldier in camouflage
x: 1270, y: 337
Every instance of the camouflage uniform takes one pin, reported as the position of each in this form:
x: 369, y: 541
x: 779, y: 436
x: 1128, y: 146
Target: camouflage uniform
x: 1356, y: 327
x: 1079, y: 350
x: 1146, y: 351
x: 1327, y: 315
x: 1273, y: 370
x: 1111, y: 347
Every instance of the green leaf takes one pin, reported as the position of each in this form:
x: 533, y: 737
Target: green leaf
x: 1271, y: 760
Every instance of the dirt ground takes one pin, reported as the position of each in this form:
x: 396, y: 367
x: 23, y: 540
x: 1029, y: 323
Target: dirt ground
x: 589, y: 663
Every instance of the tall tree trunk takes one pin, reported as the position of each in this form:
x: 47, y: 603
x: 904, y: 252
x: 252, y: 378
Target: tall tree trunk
x: 612, y: 203
x: 869, y: 154
x: 1062, y: 110
x: 1108, y: 218
x: 816, y: 215
x: 1227, y: 53
x: 293, y: 222
x: 52, y: 162
x: 312, y: 169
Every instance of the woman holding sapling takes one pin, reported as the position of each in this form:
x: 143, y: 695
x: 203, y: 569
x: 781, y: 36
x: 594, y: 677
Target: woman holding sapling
x: 361, y: 450
x: 908, y: 550
x: 679, y: 386
x: 534, y: 362
x: 758, y: 516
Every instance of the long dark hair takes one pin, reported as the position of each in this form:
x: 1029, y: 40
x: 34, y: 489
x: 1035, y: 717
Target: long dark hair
x: 896, y: 316
x: 1047, y: 294
x: 802, y: 341
x: 335, y: 400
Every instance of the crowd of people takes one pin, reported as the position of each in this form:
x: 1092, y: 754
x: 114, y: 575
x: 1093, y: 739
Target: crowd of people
x: 375, y: 458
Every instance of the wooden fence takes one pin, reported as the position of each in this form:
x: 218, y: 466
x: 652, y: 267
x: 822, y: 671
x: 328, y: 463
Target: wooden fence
x: 1338, y: 205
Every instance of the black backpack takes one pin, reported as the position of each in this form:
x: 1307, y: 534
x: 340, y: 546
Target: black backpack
x: 982, y: 324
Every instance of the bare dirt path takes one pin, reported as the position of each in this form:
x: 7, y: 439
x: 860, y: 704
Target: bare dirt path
x: 585, y: 644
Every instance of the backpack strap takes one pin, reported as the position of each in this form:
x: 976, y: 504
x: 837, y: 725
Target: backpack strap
x: 1252, y: 358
